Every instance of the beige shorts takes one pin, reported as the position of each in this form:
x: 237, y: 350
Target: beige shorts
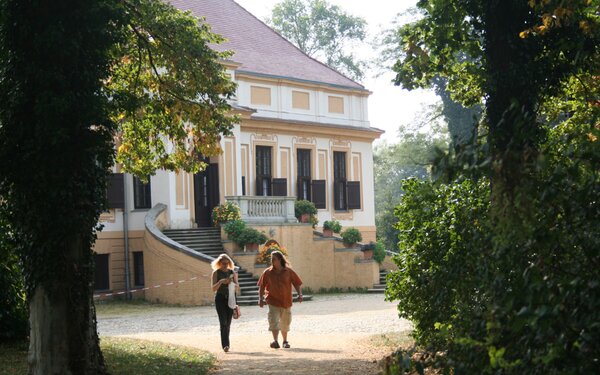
x: 279, y: 318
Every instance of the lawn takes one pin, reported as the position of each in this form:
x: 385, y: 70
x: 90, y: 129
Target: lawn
x: 126, y: 357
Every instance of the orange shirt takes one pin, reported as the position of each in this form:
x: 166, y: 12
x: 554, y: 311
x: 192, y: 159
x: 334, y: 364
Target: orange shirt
x: 278, y: 285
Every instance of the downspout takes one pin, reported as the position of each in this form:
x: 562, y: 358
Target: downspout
x: 126, y: 236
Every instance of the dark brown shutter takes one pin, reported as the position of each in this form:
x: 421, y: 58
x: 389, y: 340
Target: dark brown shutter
x: 353, y: 189
x: 115, y: 192
x: 279, y: 187
x: 318, y: 193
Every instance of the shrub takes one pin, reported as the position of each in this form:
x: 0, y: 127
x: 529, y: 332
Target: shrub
x: 250, y: 235
x: 379, y: 252
x: 332, y: 225
x: 351, y: 236
x: 264, y: 254
x: 233, y: 228
x: 225, y: 212
x: 304, y: 207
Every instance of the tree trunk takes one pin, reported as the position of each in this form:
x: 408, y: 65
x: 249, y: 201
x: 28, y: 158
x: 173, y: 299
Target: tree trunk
x: 63, y: 336
x: 512, y: 94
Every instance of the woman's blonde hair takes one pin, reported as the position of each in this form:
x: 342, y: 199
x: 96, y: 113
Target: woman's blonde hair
x: 215, y: 263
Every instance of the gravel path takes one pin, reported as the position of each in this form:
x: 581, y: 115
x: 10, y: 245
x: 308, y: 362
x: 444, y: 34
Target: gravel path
x: 329, y: 335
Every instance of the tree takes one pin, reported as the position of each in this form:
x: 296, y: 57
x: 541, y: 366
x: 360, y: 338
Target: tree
x: 462, y: 121
x: 322, y: 31
x: 535, y: 65
x: 73, y: 76
x: 412, y: 156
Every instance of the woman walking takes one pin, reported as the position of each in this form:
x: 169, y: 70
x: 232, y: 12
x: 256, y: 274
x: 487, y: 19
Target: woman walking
x: 223, y: 275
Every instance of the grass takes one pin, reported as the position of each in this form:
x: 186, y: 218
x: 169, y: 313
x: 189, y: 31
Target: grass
x: 126, y: 357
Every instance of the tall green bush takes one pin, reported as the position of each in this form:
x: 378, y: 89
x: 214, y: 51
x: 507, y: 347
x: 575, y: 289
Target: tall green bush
x: 443, y: 244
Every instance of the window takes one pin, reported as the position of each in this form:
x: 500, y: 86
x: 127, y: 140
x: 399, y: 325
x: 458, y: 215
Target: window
x: 339, y: 181
x: 138, y: 268
x: 101, y: 279
x: 263, y: 170
x: 303, y: 157
x: 141, y: 194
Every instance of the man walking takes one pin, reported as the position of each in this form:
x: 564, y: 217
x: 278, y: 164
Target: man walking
x: 276, y: 290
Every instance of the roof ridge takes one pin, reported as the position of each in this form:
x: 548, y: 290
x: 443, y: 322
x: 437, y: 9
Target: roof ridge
x: 294, y: 46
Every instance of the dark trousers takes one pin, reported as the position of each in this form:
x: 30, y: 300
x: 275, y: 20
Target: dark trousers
x: 225, y: 314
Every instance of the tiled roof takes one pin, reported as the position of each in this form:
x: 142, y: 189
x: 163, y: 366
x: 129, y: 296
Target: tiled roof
x: 258, y: 48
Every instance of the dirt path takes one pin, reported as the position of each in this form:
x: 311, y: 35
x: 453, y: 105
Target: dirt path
x: 329, y: 335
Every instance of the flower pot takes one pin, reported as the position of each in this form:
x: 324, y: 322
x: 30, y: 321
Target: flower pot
x: 327, y: 233
x: 251, y: 247
x: 305, y: 218
x: 367, y: 254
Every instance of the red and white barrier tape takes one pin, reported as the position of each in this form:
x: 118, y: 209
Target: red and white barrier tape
x: 147, y: 288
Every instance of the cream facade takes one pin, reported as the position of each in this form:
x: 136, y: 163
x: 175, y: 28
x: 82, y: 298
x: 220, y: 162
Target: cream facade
x: 298, y: 137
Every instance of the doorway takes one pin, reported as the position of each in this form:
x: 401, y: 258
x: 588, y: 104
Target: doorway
x: 206, y: 194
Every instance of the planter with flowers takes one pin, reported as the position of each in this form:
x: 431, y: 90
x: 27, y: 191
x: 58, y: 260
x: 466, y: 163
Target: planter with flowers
x: 225, y: 212
x: 264, y: 255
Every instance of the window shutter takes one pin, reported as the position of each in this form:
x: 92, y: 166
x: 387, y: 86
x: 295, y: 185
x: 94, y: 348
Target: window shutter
x: 279, y: 187
x: 353, y: 189
x: 318, y: 193
x: 115, y: 192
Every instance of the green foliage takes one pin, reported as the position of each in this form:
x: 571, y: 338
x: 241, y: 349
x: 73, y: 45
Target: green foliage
x: 169, y: 90
x: 249, y: 235
x: 233, y: 228
x: 533, y: 276
x: 332, y: 225
x: 412, y: 156
x: 226, y: 212
x: 351, y: 236
x: 304, y: 207
x: 444, y: 244
x: 323, y: 31
x: 379, y: 252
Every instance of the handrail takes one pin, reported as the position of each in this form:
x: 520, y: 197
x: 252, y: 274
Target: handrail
x: 264, y: 210
x: 150, y: 223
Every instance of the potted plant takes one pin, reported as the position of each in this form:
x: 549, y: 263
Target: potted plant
x: 264, y: 255
x: 250, y: 238
x: 330, y: 227
x: 233, y: 229
x: 379, y: 252
x: 367, y: 250
x: 225, y: 212
x: 351, y: 236
x: 304, y: 209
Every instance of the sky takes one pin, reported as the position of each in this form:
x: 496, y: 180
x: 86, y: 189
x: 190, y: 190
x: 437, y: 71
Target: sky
x: 389, y: 105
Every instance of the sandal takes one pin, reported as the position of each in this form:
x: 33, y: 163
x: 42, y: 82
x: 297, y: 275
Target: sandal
x: 275, y: 345
x: 286, y: 344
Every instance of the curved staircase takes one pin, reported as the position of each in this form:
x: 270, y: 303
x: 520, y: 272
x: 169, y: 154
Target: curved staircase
x: 208, y: 242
